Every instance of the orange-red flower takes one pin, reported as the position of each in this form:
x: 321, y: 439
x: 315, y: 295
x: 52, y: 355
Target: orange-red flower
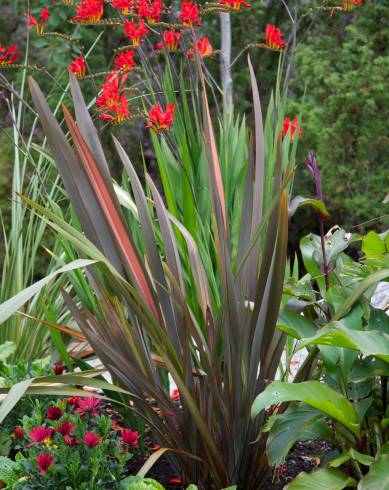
x: 202, y: 46
x: 44, y: 461
x: 236, y: 4
x: 159, y: 119
x: 78, y: 66
x: 115, y: 106
x: 124, y: 61
x: 9, y: 55
x: 172, y: 39
x: 150, y: 10
x: 291, y: 126
x: 274, y: 37
x: 135, y: 32
x: 39, y: 26
x: 89, y: 11
x: 190, y: 15
x: 123, y: 5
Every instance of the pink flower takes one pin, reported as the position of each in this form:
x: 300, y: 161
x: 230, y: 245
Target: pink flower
x: 91, y: 439
x: 66, y: 428
x: 19, y: 433
x: 88, y: 406
x: 69, y: 441
x: 129, y: 437
x: 44, y: 461
x: 73, y: 401
x: 54, y: 413
x: 175, y: 395
x: 40, y: 434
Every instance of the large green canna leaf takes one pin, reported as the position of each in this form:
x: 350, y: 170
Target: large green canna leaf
x: 323, y: 479
x: 296, y: 325
x: 317, y: 395
x: 336, y: 334
x: 11, y: 306
x: 378, y: 476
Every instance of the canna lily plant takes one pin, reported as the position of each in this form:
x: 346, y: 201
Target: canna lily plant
x: 158, y: 316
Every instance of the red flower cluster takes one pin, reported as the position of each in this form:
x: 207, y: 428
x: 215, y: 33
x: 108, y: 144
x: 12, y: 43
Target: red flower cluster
x: 202, y: 46
x: 124, y: 61
x: 91, y: 439
x: 19, y: 433
x: 135, y: 32
x: 175, y: 395
x: 236, y: 4
x: 89, y: 11
x: 150, y: 10
x: 44, y: 460
x: 40, y: 435
x: 172, y: 39
x: 113, y: 101
x: 89, y: 405
x: 129, y: 437
x: 159, y: 119
x: 274, y: 37
x: 123, y: 5
x: 292, y: 127
x: 8, y: 56
x: 54, y: 413
x: 32, y: 21
x: 78, y: 67
x: 190, y: 14
x: 58, y: 367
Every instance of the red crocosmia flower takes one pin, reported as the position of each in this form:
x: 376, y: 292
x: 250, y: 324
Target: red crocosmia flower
x: 274, y: 37
x: 158, y: 46
x: 236, y: 4
x: 44, y: 460
x: 172, y: 39
x: 54, y: 413
x: 129, y: 437
x: 78, y: 67
x: 190, y: 14
x: 91, y: 439
x: 39, y: 26
x: 8, y: 56
x: 202, y: 46
x: 113, y: 101
x: 151, y: 10
x: 40, y: 435
x: 159, y: 119
x: 124, y: 61
x: 19, y: 433
x: 290, y: 126
x: 58, y: 367
x: 89, y: 11
x: 66, y: 428
x: 175, y: 395
x: 135, y: 32
x: 88, y: 406
x: 123, y: 5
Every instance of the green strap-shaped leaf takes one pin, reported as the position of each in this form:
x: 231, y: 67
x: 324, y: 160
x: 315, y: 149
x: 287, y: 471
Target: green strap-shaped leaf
x: 323, y: 479
x: 378, y: 476
x: 313, y: 393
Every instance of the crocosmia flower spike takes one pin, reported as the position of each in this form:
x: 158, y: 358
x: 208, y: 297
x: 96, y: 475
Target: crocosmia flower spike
x: 8, y: 56
x: 202, y: 46
x: 150, y: 10
x: 115, y: 106
x: 89, y: 12
x: 190, y: 15
x: 159, y: 120
x: 135, y: 32
x: 236, y: 4
x: 39, y: 26
x: 274, y: 37
x: 78, y: 66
